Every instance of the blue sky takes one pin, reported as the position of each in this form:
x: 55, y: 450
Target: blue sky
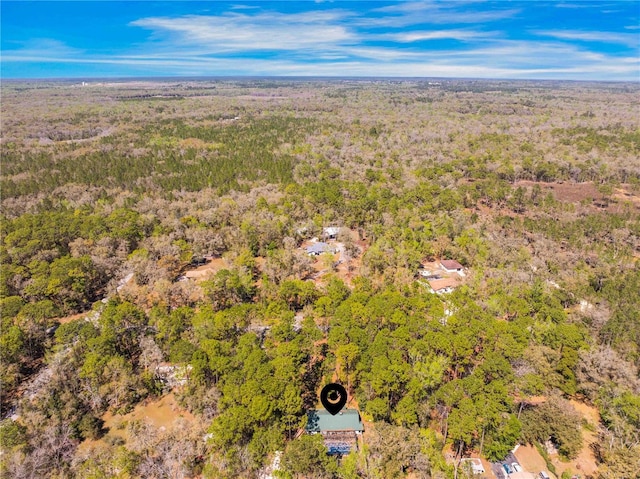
x: 565, y: 39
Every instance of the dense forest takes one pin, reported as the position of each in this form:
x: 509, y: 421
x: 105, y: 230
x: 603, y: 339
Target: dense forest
x: 153, y: 248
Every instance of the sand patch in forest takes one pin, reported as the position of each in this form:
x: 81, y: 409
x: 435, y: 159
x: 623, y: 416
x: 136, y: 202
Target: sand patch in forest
x: 206, y: 271
x: 163, y: 413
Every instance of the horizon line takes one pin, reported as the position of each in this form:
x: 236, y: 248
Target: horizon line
x: 302, y: 78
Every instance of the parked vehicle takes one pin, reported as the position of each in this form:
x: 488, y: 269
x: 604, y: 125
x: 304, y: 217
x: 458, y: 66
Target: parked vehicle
x: 516, y: 467
x: 543, y: 475
x: 507, y: 468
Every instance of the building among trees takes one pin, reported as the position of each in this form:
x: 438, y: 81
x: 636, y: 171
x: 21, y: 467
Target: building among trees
x: 340, y: 432
x: 452, y: 266
x: 319, y: 248
x: 330, y: 232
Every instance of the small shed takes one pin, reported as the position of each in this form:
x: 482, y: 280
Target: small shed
x: 451, y: 266
x: 339, y: 432
x: 331, y: 232
x: 475, y: 465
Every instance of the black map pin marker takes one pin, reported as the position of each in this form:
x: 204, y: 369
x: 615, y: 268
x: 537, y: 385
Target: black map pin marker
x: 333, y: 397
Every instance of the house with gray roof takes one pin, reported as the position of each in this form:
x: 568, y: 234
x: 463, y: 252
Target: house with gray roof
x: 319, y: 248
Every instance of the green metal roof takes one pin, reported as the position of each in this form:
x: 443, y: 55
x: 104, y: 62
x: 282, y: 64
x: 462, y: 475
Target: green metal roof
x: 322, y: 421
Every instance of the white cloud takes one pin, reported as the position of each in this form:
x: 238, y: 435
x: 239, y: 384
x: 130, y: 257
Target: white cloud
x: 381, y: 55
x: 339, y: 42
x: 430, y: 12
x: 415, y: 36
x: 406, y: 7
x: 446, y: 64
x: 45, y: 46
x: 629, y: 39
x: 261, y: 32
x: 244, y: 7
x: 572, y: 5
x: 504, y: 59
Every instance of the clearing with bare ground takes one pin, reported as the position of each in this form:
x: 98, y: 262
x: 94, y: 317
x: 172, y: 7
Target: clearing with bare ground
x: 531, y: 460
x: 584, y: 464
x: 73, y: 317
x: 586, y: 191
x: 162, y: 414
x: 206, y: 271
x: 344, y: 268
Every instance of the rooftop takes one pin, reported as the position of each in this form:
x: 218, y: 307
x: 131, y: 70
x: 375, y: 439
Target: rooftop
x: 323, y: 421
x: 318, y: 248
x: 443, y: 283
x: 476, y: 465
x: 450, y: 264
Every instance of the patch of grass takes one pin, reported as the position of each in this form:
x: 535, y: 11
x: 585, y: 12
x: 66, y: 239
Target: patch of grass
x: 588, y: 426
x: 547, y: 459
x: 114, y: 440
